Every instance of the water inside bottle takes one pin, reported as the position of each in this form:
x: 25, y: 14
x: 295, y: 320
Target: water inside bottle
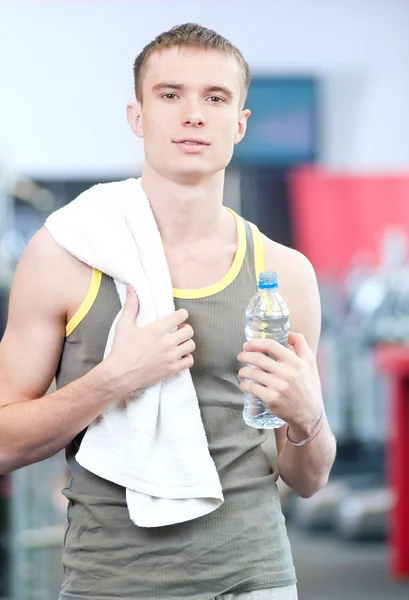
x: 275, y: 327
x: 269, y: 327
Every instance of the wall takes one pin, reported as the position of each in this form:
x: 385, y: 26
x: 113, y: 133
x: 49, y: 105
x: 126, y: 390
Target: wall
x: 66, y: 75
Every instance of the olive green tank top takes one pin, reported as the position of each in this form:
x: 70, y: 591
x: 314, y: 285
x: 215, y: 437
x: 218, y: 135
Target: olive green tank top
x: 243, y: 545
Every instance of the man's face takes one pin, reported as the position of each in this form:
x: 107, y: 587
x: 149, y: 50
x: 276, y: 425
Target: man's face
x: 190, y: 117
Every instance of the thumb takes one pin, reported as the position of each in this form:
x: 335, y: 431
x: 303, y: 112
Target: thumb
x: 299, y: 344
x: 131, y: 304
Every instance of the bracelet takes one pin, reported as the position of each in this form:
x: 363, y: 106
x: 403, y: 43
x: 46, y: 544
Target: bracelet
x: 314, y: 433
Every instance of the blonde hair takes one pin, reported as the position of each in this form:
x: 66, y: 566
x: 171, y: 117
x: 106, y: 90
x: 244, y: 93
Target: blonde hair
x: 189, y: 35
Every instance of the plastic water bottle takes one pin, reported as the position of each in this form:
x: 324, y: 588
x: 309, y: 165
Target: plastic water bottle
x: 267, y: 316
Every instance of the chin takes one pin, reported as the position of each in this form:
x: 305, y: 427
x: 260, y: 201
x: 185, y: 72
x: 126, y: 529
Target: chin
x: 191, y: 172
x: 195, y: 174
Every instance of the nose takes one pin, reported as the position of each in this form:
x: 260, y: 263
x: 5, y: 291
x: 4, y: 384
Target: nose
x: 192, y: 115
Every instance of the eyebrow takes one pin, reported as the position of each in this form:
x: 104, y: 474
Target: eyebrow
x: 170, y: 85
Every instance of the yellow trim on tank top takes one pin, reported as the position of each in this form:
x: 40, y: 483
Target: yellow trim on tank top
x: 258, y: 250
x: 230, y: 276
x: 86, y: 304
x: 189, y: 294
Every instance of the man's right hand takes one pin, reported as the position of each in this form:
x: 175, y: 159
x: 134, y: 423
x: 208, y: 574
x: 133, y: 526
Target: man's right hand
x: 143, y: 356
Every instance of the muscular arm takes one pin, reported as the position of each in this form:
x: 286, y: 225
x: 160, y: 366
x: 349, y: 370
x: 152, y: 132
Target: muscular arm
x: 33, y: 426
x: 46, y: 287
x: 305, y: 469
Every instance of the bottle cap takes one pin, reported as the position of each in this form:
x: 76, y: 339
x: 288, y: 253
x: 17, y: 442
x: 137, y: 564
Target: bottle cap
x: 268, y: 280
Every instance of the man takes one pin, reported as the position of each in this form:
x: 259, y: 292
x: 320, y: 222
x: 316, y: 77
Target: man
x: 190, y: 86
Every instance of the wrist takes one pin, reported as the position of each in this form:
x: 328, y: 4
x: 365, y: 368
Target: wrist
x: 300, y: 430
x: 113, y: 377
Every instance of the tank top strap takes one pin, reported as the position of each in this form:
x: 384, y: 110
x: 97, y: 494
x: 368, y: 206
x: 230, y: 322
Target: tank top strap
x: 254, y: 259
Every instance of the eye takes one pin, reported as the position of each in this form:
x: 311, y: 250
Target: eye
x: 216, y: 99
x: 169, y: 96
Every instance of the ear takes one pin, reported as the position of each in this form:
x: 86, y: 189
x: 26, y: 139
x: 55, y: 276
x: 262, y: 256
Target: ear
x: 134, y: 116
x: 242, y: 125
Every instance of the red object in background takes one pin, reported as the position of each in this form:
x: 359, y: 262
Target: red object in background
x: 394, y: 361
x: 336, y: 217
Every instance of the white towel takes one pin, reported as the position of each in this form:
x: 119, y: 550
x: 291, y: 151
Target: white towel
x: 156, y: 447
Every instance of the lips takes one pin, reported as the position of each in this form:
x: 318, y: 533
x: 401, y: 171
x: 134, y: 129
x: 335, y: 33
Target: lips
x: 192, y: 142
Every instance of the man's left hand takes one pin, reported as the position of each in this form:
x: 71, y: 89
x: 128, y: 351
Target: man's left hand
x: 285, y: 379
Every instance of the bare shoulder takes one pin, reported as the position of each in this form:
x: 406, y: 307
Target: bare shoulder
x: 299, y: 286
x: 49, y: 278
x: 48, y: 285
x: 287, y: 262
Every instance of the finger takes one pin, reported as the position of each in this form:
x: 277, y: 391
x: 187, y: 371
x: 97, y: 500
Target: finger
x: 270, y: 347
x: 186, y: 362
x: 175, y: 319
x: 183, y: 333
x: 131, y: 304
x: 257, y: 359
x: 265, y: 394
x: 185, y: 348
x: 256, y: 375
x: 298, y: 342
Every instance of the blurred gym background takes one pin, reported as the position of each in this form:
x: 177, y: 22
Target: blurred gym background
x: 324, y: 168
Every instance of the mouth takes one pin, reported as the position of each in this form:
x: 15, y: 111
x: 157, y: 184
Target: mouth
x: 192, y: 142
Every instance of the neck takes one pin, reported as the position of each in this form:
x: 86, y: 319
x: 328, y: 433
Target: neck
x: 185, y: 213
